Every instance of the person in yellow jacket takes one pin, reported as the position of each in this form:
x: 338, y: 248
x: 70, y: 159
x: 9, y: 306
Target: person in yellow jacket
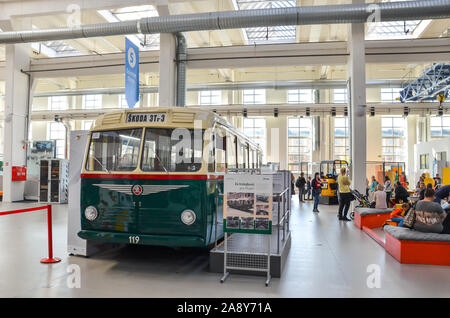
x: 345, y: 194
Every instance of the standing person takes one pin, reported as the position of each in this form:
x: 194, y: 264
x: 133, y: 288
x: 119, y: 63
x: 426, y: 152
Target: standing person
x: 316, y: 187
x: 308, y: 189
x: 301, y: 181
x: 401, y: 193
x: 292, y: 184
x: 388, y: 189
x: 345, y: 194
x: 373, y: 187
x: 373, y: 184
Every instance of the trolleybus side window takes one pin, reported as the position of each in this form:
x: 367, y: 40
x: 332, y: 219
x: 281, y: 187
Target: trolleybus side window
x: 231, y: 153
x: 114, y: 150
x: 240, y: 154
x: 221, y: 147
x: 171, y: 150
x: 246, y: 155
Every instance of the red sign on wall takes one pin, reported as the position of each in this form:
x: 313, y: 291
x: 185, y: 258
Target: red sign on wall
x: 19, y: 173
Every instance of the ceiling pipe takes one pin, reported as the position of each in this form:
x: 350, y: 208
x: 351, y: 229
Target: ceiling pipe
x: 226, y: 87
x: 181, y: 69
x: 329, y: 14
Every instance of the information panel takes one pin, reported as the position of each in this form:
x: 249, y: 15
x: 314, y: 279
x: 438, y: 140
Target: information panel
x: 248, y: 203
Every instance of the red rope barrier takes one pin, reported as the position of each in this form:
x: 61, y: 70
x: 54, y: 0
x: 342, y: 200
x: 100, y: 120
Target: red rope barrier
x: 50, y: 258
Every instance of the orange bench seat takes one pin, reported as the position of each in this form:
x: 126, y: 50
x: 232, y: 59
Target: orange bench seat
x: 413, y: 247
x: 371, y: 218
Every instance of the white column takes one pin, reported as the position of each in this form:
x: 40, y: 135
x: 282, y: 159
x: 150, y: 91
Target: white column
x: 167, y: 70
x: 167, y: 66
x: 356, y: 72
x: 16, y: 113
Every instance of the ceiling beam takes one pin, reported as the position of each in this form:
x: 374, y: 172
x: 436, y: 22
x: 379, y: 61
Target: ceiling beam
x: 307, y: 54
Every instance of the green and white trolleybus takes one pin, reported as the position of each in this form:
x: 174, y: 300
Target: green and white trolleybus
x: 153, y: 176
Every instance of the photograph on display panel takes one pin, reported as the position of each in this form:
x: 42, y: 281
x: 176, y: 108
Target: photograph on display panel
x: 248, y: 204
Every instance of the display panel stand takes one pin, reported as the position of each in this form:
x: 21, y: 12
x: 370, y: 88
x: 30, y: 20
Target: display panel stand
x: 253, y: 266
x: 249, y: 252
x: 248, y: 212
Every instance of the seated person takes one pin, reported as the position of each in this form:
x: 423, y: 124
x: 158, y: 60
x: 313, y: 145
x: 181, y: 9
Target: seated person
x: 421, y: 191
x: 437, y: 179
x: 398, y: 214
x: 380, y: 198
x: 442, y: 194
x: 446, y: 223
x: 429, y: 215
x: 401, y: 194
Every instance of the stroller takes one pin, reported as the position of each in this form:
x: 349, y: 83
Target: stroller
x: 363, y: 202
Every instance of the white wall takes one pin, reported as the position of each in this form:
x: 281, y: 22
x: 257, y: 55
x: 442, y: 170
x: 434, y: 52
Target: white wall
x: 430, y: 148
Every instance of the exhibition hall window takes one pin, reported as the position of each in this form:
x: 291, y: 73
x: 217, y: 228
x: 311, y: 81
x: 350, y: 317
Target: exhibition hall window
x: 439, y: 126
x: 299, y: 143
x: 92, y: 101
x: 255, y: 129
x: 424, y: 162
x: 393, y: 132
x: 58, y: 103
x: 341, y: 139
x: 254, y: 96
x: 86, y: 124
x: 210, y: 98
x: 123, y: 102
x: 390, y: 95
x: 300, y: 96
x: 57, y: 131
x: 340, y: 96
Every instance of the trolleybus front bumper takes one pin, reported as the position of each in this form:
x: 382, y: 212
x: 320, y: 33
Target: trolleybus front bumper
x: 143, y: 239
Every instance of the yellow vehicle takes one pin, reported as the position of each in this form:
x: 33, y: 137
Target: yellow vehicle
x: 329, y: 171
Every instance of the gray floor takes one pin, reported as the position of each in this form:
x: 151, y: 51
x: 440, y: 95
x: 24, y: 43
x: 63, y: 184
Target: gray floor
x: 328, y: 258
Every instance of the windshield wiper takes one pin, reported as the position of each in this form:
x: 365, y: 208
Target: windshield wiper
x: 104, y: 168
x: 161, y: 163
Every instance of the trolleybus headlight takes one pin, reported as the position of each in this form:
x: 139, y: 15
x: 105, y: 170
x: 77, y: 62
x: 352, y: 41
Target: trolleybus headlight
x: 188, y: 217
x: 91, y: 213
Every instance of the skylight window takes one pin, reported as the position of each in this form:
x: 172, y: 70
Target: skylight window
x: 62, y: 48
x: 135, y: 13
x: 54, y: 48
x: 392, y: 29
x: 274, y: 34
x: 145, y: 42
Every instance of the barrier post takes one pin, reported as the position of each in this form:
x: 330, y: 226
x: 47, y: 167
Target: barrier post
x: 50, y: 258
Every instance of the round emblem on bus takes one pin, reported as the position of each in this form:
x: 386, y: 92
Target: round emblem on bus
x: 136, y: 189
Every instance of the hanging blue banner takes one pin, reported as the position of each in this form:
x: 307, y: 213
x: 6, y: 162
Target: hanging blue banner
x: 131, y: 73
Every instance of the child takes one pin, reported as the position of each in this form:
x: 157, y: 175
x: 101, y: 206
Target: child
x: 308, y: 189
x: 398, y: 214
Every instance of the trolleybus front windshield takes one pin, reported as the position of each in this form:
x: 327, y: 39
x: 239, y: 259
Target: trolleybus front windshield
x: 165, y: 150
x: 115, y: 150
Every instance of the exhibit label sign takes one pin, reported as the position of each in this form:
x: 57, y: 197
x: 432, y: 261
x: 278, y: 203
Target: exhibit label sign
x: 247, y: 204
x: 131, y: 73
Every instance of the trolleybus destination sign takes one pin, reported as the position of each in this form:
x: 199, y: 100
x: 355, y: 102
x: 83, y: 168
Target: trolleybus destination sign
x: 146, y: 118
x: 247, y: 204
